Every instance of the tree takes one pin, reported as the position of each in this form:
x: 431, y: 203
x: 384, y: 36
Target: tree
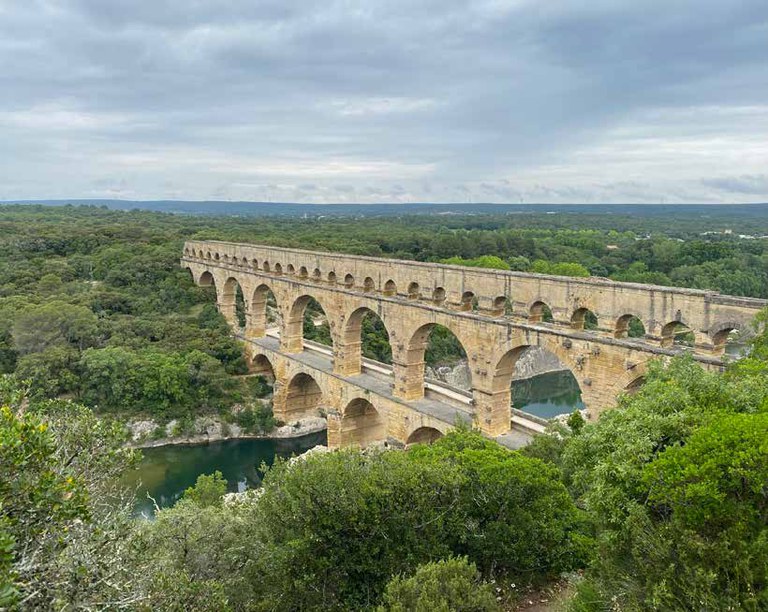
x: 55, y: 323
x: 208, y: 490
x: 441, y: 586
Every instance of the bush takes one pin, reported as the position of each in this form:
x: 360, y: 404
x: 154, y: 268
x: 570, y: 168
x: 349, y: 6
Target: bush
x: 443, y: 586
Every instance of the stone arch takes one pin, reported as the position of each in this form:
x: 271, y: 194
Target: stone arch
x: 676, y: 333
x: 303, y: 398
x: 369, y: 286
x: 303, y: 273
x: 331, y: 277
x: 424, y: 435
x: 501, y: 306
x: 628, y: 326
x: 258, y: 319
x: 362, y: 424
x: 278, y: 268
x: 540, y: 312
x: 720, y: 333
x: 244, y: 262
x: 206, y: 279
x: 632, y: 380
x: 292, y: 334
x: 226, y: 258
x: 317, y: 275
x: 414, y: 291
x: 235, y: 261
x: 413, y: 360
x: 438, y: 296
x: 262, y: 366
x: 584, y: 318
x: 232, y: 303
x: 349, y: 281
x: 254, y: 264
x: 265, y: 266
x: 200, y: 255
x: 468, y: 301
x: 186, y: 252
x: 216, y: 257
x: 390, y: 288
x: 208, y: 255
x: 350, y: 351
x: 291, y: 269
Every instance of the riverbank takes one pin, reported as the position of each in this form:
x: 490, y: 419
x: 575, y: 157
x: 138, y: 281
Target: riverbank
x: 147, y: 433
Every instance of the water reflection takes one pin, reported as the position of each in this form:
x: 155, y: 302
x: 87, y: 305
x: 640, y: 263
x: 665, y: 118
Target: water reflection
x: 167, y: 471
x: 547, y: 395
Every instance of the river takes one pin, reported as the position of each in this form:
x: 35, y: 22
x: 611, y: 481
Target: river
x: 167, y: 471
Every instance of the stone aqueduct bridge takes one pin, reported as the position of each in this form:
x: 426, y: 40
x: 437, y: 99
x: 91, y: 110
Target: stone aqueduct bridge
x: 495, y: 314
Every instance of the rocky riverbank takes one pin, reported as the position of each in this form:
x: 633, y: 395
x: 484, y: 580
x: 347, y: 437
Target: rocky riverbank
x: 147, y: 433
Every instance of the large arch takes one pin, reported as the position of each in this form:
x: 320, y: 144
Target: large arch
x: 424, y: 435
x: 540, y: 312
x: 292, y: 334
x: 354, y: 344
x: 629, y: 326
x: 232, y: 303
x: 676, y: 333
x: 206, y: 279
x: 414, y: 360
x: 259, y: 318
x: 722, y: 333
x: 584, y: 318
x: 303, y: 398
x: 262, y: 366
x: 362, y: 424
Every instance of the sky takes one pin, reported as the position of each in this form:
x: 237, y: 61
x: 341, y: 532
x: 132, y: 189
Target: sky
x: 556, y: 101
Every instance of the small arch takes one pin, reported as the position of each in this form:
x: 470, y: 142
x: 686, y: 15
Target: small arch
x: 438, y: 296
x: 368, y: 285
x: 676, y: 333
x: 629, y: 326
x: 414, y: 291
x: 583, y: 318
x: 265, y: 266
x: 244, y: 262
x: 540, y: 312
x: 424, y: 435
x: 331, y: 278
x: 390, y: 288
x: 226, y: 258
x: 278, y: 268
x: 468, y: 301
x: 349, y: 281
x: 217, y: 257
x: 254, y: 264
x: 262, y: 366
x: 727, y: 338
x: 303, y: 272
x: 361, y: 424
x: 291, y: 269
x: 235, y: 261
x: 186, y: 252
x: 317, y: 275
x: 502, y: 306
x: 303, y: 397
x: 208, y: 255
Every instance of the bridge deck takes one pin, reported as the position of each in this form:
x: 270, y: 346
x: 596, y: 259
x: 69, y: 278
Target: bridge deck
x: 441, y: 402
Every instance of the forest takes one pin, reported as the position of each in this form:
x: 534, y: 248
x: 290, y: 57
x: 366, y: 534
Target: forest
x: 661, y: 504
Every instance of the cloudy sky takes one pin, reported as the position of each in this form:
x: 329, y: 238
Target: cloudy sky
x: 385, y: 100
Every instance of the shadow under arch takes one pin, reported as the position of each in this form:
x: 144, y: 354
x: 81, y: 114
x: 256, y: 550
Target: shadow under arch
x: 364, y: 335
x: 303, y: 397
x: 536, y: 379
x: 362, y: 424
x: 423, y: 435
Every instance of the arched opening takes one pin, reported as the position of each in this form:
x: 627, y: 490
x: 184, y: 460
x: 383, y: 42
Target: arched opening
x: 265, y: 266
x: 368, y: 285
x: 331, y: 278
x: 232, y: 303
x: 438, y: 296
x: 216, y: 257
x: 424, y: 435
x: 537, y: 382
x: 303, y: 398
x: 349, y: 281
x: 730, y: 340
x: 540, y: 313
x: 244, y: 263
x: 502, y: 306
x: 235, y: 261
x: 291, y: 269
x: 317, y: 275
x: 629, y: 326
x: 414, y: 291
x: 584, y: 318
x: 390, y: 288
x: 634, y: 386
x: 435, y: 354
x: 206, y: 280
x: 278, y: 268
x: 264, y: 314
x: 468, y: 301
x: 303, y: 272
x: 262, y: 366
x: 361, y: 424
x: 677, y: 334
x: 226, y: 258
x: 208, y: 255
x: 306, y: 321
x: 200, y: 255
x: 365, y: 335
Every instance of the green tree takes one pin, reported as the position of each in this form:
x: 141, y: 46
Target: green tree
x: 209, y: 490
